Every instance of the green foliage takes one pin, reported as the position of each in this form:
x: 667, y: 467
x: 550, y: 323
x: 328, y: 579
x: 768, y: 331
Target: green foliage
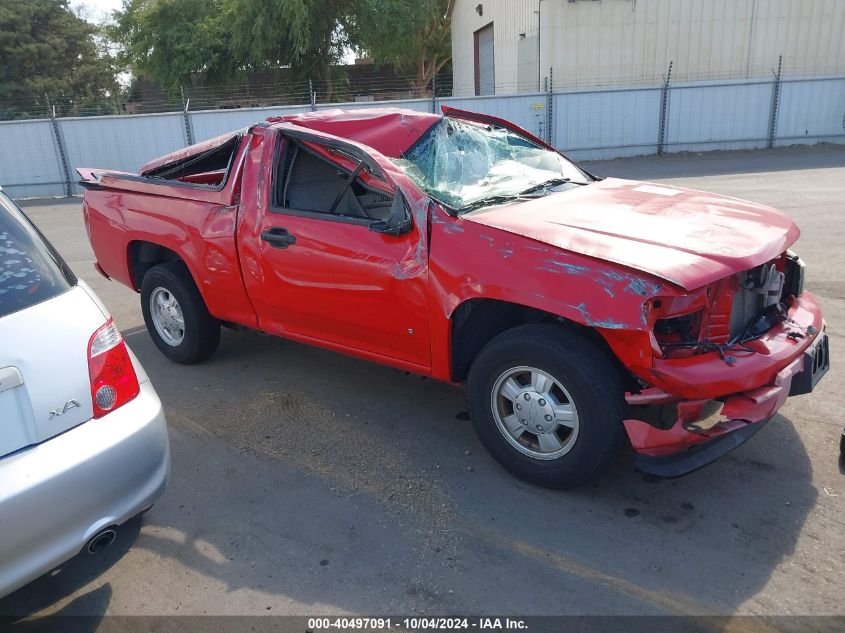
x: 45, y: 48
x: 309, y: 36
x: 169, y: 40
x: 413, y: 35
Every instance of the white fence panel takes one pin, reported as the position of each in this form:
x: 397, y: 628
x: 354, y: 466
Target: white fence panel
x: 527, y: 111
x: 597, y: 124
x: 207, y: 124
x: 606, y: 124
x: 29, y: 162
x: 122, y: 143
x: 711, y: 116
x: 420, y: 105
x: 811, y: 111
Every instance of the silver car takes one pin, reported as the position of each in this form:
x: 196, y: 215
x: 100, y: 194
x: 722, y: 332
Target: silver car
x: 83, y: 439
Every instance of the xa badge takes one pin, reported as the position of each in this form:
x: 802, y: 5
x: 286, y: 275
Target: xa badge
x: 70, y: 404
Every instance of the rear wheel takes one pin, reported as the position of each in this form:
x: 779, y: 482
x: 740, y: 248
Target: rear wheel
x: 548, y: 404
x: 176, y: 316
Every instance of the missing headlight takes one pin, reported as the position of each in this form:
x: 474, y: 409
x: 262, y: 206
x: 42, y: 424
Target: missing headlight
x: 680, y: 325
x: 793, y: 284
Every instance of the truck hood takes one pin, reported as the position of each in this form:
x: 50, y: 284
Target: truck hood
x: 687, y: 237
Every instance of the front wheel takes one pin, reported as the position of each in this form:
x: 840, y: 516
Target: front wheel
x: 548, y: 404
x: 176, y: 316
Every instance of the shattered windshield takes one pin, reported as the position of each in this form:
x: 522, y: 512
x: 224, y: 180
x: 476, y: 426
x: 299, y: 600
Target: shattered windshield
x: 464, y: 164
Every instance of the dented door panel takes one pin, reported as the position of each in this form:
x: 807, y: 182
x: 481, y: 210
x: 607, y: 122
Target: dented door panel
x: 335, y: 281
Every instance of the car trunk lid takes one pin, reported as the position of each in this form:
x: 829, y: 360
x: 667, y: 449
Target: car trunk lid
x: 44, y: 384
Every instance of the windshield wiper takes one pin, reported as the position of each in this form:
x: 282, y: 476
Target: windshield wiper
x: 497, y: 199
x: 554, y: 182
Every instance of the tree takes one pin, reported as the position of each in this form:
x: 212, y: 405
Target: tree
x: 413, y: 35
x: 46, y: 49
x: 308, y: 36
x: 170, y: 40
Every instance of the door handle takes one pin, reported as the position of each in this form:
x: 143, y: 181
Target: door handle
x: 277, y: 237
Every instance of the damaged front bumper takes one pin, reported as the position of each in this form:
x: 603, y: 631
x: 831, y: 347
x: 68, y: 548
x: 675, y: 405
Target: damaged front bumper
x: 736, y: 395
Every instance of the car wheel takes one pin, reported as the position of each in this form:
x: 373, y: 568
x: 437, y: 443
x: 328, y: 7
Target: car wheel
x: 547, y: 404
x: 176, y: 316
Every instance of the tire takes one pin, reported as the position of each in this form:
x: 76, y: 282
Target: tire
x: 586, y: 402
x: 199, y: 334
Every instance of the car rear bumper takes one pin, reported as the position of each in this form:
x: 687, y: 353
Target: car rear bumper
x: 702, y: 430
x: 55, y: 496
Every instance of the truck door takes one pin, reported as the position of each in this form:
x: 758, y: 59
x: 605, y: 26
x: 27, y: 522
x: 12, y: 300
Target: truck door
x: 333, y: 256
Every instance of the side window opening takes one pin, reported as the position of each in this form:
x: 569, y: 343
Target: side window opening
x: 309, y: 182
x: 209, y: 168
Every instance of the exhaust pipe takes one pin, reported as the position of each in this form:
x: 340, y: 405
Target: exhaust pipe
x: 101, y: 540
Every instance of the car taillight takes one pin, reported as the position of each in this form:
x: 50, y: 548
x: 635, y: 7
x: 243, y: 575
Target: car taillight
x: 113, y: 378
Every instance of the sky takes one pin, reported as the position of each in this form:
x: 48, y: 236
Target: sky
x: 95, y: 10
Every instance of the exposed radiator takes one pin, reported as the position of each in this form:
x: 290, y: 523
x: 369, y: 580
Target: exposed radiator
x: 757, y: 289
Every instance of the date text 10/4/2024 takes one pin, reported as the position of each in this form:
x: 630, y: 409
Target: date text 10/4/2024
x: 417, y: 623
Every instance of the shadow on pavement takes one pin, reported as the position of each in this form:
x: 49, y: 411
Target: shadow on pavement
x: 39, y: 202
x: 69, y: 578
x: 324, y: 481
x: 690, y: 165
x: 67, y: 619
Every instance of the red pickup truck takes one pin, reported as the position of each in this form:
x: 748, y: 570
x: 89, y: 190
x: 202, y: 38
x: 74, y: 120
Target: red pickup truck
x: 578, y: 310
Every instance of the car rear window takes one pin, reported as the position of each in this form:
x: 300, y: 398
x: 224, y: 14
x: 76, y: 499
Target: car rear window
x: 30, y: 269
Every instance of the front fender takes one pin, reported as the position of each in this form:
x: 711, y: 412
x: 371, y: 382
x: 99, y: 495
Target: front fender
x: 472, y: 261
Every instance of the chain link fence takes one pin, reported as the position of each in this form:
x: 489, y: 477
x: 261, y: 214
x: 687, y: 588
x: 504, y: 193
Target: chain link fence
x: 356, y: 84
x: 41, y: 153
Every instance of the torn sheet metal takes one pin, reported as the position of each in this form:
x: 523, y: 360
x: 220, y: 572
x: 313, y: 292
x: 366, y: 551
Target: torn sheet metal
x: 190, y: 151
x: 389, y: 131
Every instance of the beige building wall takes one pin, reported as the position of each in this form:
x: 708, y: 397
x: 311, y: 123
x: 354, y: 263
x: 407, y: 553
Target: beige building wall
x: 631, y: 42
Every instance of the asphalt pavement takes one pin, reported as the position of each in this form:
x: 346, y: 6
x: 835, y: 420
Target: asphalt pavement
x: 306, y: 482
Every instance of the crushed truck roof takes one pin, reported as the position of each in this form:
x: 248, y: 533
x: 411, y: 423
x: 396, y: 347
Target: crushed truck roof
x: 389, y: 131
